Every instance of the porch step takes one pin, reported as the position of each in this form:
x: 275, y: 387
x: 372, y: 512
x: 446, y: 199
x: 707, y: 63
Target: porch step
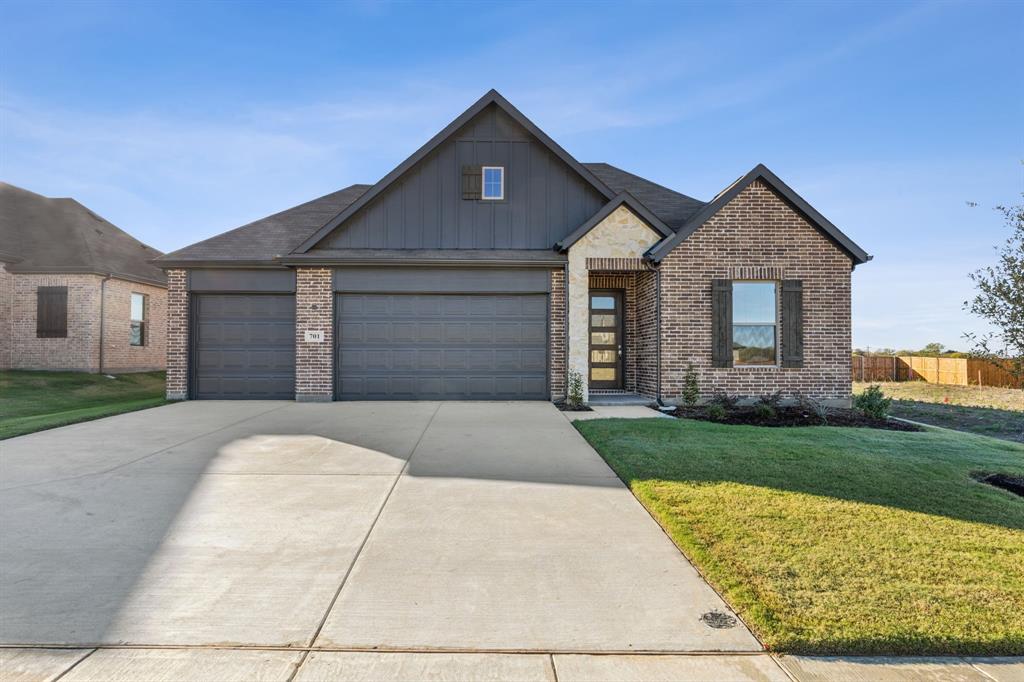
x: 619, y: 399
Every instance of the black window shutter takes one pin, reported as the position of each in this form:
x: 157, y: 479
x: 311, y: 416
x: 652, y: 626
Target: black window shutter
x: 51, y: 312
x: 792, y: 323
x: 721, y: 323
x: 472, y: 182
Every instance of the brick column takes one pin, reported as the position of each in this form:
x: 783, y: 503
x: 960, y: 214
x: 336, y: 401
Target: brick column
x: 177, y: 335
x: 314, y: 311
x: 557, y: 341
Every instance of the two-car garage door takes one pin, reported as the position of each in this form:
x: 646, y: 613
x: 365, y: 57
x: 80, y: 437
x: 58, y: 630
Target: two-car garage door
x: 449, y: 344
x: 441, y: 346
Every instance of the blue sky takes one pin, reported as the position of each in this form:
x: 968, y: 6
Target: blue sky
x: 177, y: 121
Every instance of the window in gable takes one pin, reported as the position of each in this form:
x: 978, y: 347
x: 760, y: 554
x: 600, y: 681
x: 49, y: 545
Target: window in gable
x: 493, y: 183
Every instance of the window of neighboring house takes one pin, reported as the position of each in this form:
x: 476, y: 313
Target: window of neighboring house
x: 138, y: 323
x: 493, y: 183
x: 754, y: 323
x: 52, y: 312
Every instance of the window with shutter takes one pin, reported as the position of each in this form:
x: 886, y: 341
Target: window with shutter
x: 754, y: 323
x: 721, y: 323
x: 51, y: 312
x: 792, y: 323
x: 472, y: 182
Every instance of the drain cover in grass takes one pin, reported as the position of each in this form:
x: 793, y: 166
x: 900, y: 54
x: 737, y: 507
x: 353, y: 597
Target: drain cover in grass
x: 718, y: 620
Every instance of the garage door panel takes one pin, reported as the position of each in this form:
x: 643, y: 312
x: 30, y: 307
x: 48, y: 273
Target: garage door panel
x: 244, y: 346
x: 444, y: 346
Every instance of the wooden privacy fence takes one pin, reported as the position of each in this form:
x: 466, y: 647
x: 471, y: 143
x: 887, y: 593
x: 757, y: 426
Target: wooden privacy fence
x: 956, y: 371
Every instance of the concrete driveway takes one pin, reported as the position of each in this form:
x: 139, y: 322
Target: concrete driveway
x: 340, y: 529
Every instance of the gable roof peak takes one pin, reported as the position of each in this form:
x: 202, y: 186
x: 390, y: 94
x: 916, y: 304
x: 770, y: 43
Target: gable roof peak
x: 492, y: 96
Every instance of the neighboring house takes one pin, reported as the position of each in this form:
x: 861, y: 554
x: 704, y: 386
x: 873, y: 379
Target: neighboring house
x: 76, y: 293
x: 491, y: 264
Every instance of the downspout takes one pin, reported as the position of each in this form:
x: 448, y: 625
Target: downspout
x: 565, y: 327
x: 103, y: 300
x: 657, y: 312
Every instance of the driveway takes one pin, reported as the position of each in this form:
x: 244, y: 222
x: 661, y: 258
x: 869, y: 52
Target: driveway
x: 344, y: 527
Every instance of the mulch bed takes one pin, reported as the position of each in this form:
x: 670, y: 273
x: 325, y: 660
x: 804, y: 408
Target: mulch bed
x: 564, y: 407
x: 793, y: 416
x: 1015, y: 484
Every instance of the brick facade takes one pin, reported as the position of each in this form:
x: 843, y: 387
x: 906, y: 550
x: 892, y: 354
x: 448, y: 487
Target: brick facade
x: 557, y: 326
x: 757, y: 229
x: 118, y: 353
x: 314, y: 311
x: 20, y: 348
x: 647, y: 333
x: 177, y: 334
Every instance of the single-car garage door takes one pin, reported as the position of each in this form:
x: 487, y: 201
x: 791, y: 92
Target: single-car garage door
x: 441, y: 346
x: 244, y: 346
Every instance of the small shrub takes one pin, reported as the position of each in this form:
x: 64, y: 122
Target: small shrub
x: 772, y: 400
x: 812, y: 406
x: 764, y: 411
x: 575, y: 396
x: 724, y: 400
x: 691, y: 389
x: 872, y: 403
x: 716, y: 412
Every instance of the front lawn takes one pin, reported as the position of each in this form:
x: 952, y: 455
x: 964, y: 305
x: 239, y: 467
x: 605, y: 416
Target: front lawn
x: 33, y: 401
x: 836, y: 540
x: 989, y: 411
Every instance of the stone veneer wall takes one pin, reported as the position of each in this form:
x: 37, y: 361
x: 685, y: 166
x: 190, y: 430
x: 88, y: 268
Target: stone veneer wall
x: 118, y: 353
x: 556, y: 323
x: 757, y: 230
x: 177, y: 334
x: 620, y: 235
x: 314, y: 311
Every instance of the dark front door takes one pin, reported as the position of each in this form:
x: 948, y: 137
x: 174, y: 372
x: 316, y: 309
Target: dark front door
x: 606, y: 339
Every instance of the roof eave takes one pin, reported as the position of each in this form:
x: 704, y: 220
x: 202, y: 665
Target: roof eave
x: 621, y: 199
x: 657, y: 252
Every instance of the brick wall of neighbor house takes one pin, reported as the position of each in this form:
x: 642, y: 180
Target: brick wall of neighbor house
x: 757, y: 229
x: 177, y: 334
x: 556, y: 313
x: 6, y: 317
x: 647, y: 333
x: 118, y: 353
x: 626, y: 282
x: 78, y: 351
x: 314, y: 311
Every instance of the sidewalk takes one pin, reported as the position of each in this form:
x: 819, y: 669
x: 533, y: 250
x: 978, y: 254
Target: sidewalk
x: 200, y: 664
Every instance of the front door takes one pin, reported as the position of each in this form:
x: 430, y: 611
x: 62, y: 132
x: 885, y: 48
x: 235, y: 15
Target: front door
x: 606, y: 339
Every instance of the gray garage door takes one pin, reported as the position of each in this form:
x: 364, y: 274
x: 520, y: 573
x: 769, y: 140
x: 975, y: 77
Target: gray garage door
x: 441, y: 347
x: 244, y: 346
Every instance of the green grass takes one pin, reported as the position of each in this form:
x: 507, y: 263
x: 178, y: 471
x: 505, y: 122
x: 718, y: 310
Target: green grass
x: 838, y: 540
x: 33, y: 401
x: 985, y: 410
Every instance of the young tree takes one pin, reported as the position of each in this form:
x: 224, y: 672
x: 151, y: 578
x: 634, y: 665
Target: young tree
x: 1000, y: 298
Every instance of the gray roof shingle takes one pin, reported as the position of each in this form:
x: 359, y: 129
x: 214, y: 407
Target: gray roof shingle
x: 42, y: 234
x: 673, y: 208
x: 275, y: 235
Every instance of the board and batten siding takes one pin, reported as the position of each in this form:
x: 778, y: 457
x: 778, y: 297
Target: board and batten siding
x: 545, y: 200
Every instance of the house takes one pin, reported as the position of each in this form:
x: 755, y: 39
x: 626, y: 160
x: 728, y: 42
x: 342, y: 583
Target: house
x: 493, y: 265
x: 76, y: 293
